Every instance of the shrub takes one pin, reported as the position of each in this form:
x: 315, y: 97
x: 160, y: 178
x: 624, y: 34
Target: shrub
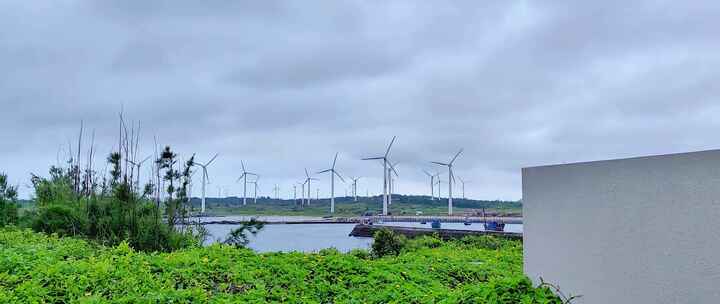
x: 360, y: 253
x: 63, y: 220
x: 483, y: 241
x: 8, y: 202
x: 386, y: 242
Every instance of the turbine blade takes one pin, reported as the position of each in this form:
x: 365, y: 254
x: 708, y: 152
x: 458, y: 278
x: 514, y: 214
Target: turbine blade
x: 335, y: 160
x: 393, y: 168
x: 390, y: 146
x: 323, y: 171
x: 373, y: 158
x: 306, y: 173
x: 439, y: 163
x: 338, y: 175
x: 243, y: 165
x: 212, y: 159
x: 456, y: 156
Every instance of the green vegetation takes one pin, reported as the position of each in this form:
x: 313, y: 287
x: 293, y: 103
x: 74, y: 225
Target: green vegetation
x: 77, y: 201
x: 346, y: 206
x: 38, y: 268
x: 8, y: 202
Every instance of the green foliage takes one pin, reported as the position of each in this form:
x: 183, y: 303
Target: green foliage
x: 8, y: 202
x: 386, y: 242
x: 60, y: 219
x: 39, y: 268
x: 239, y: 237
x: 121, y: 214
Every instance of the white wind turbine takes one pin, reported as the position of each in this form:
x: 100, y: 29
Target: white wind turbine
x: 138, y: 165
x: 432, y: 184
x: 451, y: 179
x: 244, y: 177
x: 205, y: 180
x: 255, y: 183
x: 354, y: 187
x: 333, y: 172
x: 384, y: 158
x: 307, y: 181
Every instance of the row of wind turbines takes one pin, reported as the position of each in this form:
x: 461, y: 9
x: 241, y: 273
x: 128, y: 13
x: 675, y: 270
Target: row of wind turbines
x: 388, y: 172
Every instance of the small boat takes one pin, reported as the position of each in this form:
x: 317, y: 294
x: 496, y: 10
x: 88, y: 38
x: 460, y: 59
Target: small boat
x: 435, y: 224
x: 467, y: 222
x: 494, y: 226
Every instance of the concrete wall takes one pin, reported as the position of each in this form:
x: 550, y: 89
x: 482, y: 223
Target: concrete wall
x: 640, y: 230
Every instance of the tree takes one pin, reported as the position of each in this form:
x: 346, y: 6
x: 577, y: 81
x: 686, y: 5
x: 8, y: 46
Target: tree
x: 239, y: 237
x: 8, y: 202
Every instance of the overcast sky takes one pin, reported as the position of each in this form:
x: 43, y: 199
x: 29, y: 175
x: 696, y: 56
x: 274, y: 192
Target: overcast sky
x: 283, y: 85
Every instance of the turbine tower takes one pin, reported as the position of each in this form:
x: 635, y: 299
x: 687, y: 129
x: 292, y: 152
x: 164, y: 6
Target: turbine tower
x: 333, y: 172
x: 451, y: 178
x: 391, y: 180
x: 302, y: 194
x: 384, y: 158
x: 244, y: 177
x: 462, y: 182
x: 432, y: 184
x: 205, y: 181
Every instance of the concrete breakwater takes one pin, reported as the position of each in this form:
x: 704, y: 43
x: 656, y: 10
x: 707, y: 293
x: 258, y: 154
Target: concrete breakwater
x: 361, y: 230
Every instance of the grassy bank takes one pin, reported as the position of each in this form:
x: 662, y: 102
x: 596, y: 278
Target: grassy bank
x: 38, y: 268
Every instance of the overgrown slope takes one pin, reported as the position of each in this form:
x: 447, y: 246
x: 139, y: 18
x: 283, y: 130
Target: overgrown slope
x: 39, y: 268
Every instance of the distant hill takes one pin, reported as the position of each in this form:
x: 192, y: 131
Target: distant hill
x: 346, y: 206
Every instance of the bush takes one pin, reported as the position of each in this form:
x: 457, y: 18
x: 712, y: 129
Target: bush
x: 424, y: 241
x: 39, y: 268
x: 63, y: 220
x: 360, y: 253
x: 483, y: 241
x: 8, y: 202
x: 386, y: 242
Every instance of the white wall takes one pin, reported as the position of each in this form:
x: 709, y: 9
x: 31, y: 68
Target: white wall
x: 640, y: 230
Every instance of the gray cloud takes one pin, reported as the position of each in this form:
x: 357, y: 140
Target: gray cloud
x: 283, y: 85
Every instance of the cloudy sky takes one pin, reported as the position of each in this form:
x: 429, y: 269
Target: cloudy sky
x: 283, y: 85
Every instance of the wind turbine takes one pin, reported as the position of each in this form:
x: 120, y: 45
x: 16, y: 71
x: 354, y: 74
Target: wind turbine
x: 138, y: 165
x: 354, y: 187
x: 256, y: 186
x: 333, y: 172
x: 205, y: 180
x: 432, y: 184
x: 451, y: 178
x: 462, y: 182
x: 384, y: 158
x: 245, y: 181
x: 307, y: 181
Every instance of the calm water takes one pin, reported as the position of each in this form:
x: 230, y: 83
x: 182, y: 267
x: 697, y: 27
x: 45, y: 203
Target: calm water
x: 314, y: 237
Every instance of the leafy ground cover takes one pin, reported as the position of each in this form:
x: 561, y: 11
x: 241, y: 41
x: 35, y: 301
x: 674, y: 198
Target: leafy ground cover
x: 39, y: 268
